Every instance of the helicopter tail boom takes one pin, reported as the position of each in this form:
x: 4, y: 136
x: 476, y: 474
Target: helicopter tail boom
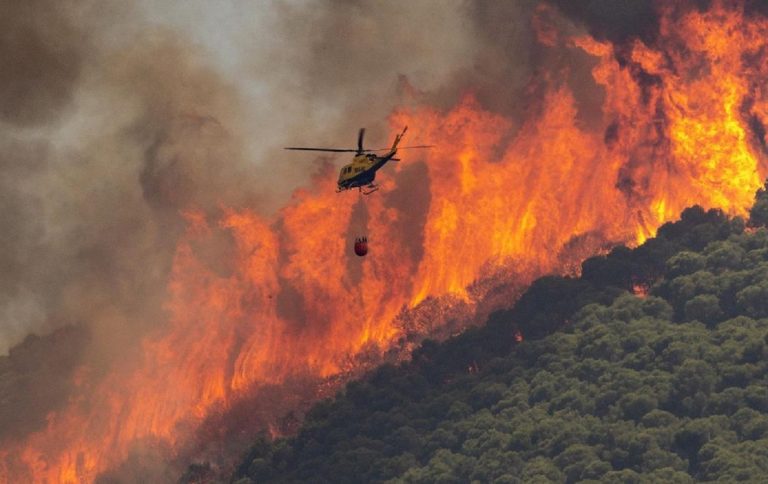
x: 393, y: 149
x: 398, y: 138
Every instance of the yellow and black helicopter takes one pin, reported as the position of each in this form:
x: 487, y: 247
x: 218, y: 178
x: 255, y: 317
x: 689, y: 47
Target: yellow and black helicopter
x: 362, y: 171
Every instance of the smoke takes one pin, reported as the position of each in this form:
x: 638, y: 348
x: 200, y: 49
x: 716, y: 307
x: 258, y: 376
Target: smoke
x: 41, y: 58
x: 41, y: 54
x: 45, y: 386
x: 622, y: 21
x: 615, y: 20
x: 101, y: 149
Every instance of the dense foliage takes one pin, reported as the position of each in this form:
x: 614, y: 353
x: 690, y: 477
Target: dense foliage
x: 651, y: 367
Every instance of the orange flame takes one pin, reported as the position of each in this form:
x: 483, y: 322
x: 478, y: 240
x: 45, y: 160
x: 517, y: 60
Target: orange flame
x: 675, y: 131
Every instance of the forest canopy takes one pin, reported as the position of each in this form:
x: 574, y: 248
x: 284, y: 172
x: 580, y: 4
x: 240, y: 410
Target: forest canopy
x: 650, y: 367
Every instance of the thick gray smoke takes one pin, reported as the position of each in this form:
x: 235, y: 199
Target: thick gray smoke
x: 40, y: 63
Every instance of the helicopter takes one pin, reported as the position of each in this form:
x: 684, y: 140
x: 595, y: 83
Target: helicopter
x: 361, y: 172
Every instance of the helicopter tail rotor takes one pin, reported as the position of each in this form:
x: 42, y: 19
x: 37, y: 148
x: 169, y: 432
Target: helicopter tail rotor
x: 397, y: 140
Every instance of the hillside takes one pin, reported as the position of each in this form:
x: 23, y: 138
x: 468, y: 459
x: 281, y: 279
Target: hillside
x: 650, y: 367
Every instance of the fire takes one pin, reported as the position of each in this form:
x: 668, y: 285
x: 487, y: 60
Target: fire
x: 292, y: 300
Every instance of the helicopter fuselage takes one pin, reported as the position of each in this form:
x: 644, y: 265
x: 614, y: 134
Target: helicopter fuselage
x: 362, y: 171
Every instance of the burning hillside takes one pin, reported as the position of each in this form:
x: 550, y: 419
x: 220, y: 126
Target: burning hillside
x: 592, y: 156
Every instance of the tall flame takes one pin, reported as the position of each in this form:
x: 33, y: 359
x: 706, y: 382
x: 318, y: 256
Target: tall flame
x: 677, y: 129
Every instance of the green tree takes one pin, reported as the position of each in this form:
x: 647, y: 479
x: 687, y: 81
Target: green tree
x: 704, y: 308
x: 758, y: 214
x: 754, y: 300
x: 684, y: 263
x: 541, y: 469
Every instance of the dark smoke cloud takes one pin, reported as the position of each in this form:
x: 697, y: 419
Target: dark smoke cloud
x: 35, y: 378
x: 100, y: 152
x: 621, y: 21
x: 41, y: 58
x: 756, y: 7
x: 617, y: 21
x: 506, y: 55
x: 41, y: 55
x: 104, y: 149
x: 187, y: 127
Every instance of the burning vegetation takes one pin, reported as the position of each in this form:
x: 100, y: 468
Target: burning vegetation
x: 606, y: 386
x: 612, y: 135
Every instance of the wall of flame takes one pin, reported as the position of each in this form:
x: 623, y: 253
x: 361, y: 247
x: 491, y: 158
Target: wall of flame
x: 677, y: 127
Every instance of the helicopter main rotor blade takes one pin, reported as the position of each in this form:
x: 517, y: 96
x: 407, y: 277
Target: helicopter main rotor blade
x: 404, y: 148
x: 334, y: 150
x: 360, y: 136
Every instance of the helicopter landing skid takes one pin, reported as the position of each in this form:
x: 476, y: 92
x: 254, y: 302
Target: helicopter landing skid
x: 372, y: 188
